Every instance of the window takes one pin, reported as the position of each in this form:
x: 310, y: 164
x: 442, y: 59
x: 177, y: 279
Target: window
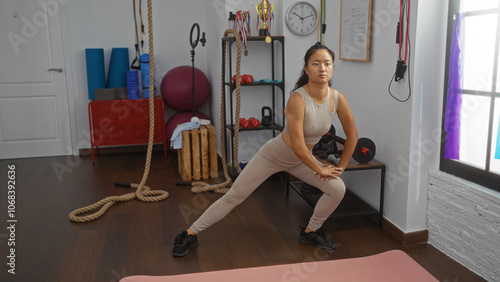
x: 471, y: 105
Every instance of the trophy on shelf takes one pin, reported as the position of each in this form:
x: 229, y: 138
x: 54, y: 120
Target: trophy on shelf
x: 265, y: 12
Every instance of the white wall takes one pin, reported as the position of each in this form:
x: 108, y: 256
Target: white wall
x: 406, y: 134
x: 390, y: 124
x: 109, y: 23
x: 430, y: 46
x: 378, y: 116
x: 215, y: 25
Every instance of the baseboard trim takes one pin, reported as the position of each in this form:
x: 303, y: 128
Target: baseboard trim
x: 410, y: 238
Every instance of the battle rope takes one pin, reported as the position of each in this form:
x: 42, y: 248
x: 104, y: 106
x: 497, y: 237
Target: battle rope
x: 143, y: 192
x: 198, y: 187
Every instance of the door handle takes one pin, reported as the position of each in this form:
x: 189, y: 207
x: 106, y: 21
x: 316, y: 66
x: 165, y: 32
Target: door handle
x: 57, y: 70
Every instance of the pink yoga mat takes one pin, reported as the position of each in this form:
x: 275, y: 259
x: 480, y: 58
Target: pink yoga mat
x: 389, y: 266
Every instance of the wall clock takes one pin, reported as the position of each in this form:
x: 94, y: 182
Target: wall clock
x: 301, y: 18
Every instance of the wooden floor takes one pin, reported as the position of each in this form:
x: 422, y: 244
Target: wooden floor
x: 135, y: 238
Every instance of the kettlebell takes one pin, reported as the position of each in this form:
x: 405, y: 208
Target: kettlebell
x: 267, y: 118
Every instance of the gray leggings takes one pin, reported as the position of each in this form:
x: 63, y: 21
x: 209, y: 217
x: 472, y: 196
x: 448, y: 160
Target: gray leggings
x: 273, y: 157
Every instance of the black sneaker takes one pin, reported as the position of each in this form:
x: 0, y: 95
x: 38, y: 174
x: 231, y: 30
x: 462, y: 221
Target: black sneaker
x: 317, y: 238
x: 184, y: 242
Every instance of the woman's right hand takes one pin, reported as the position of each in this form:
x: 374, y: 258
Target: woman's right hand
x: 329, y: 171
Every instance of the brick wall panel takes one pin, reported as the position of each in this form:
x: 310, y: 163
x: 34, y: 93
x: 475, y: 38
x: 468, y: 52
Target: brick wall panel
x: 464, y: 223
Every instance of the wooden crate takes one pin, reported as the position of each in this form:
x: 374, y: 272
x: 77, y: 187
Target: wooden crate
x: 198, y: 156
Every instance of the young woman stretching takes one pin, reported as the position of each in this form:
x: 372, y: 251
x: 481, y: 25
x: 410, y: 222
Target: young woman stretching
x: 309, y: 113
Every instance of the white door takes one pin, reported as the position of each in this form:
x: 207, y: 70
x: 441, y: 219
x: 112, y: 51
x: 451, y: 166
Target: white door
x: 34, y: 115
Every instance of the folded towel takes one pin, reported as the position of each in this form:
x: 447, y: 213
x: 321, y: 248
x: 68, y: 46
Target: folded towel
x: 176, y: 139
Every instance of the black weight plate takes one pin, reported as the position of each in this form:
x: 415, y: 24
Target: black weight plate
x: 358, y: 154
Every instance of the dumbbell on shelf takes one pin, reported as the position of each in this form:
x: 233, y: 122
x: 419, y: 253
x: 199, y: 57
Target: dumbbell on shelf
x: 246, y: 123
x: 244, y: 79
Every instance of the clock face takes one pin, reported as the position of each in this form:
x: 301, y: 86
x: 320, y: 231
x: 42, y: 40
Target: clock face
x: 301, y: 18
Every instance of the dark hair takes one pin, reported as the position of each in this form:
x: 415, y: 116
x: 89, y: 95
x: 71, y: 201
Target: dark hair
x: 304, y: 78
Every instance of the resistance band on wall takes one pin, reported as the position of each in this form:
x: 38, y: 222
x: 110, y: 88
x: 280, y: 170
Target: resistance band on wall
x: 321, y: 22
x: 403, y: 39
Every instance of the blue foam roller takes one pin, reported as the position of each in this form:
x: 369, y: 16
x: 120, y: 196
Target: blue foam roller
x: 133, y: 93
x: 132, y: 78
x: 145, y: 75
x: 118, y: 67
x: 96, y: 77
x: 145, y: 88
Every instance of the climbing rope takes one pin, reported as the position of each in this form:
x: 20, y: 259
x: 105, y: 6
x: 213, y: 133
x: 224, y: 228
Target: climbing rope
x: 143, y: 192
x: 198, y: 187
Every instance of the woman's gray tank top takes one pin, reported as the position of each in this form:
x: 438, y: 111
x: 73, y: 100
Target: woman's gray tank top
x: 317, y: 118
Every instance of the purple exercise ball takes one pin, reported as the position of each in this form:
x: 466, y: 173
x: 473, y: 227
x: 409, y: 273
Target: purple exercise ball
x: 177, y: 88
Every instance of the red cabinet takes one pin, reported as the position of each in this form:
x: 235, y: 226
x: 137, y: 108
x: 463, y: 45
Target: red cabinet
x: 125, y: 122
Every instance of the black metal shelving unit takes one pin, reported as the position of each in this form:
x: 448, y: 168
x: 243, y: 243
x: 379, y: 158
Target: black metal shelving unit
x: 277, y: 88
